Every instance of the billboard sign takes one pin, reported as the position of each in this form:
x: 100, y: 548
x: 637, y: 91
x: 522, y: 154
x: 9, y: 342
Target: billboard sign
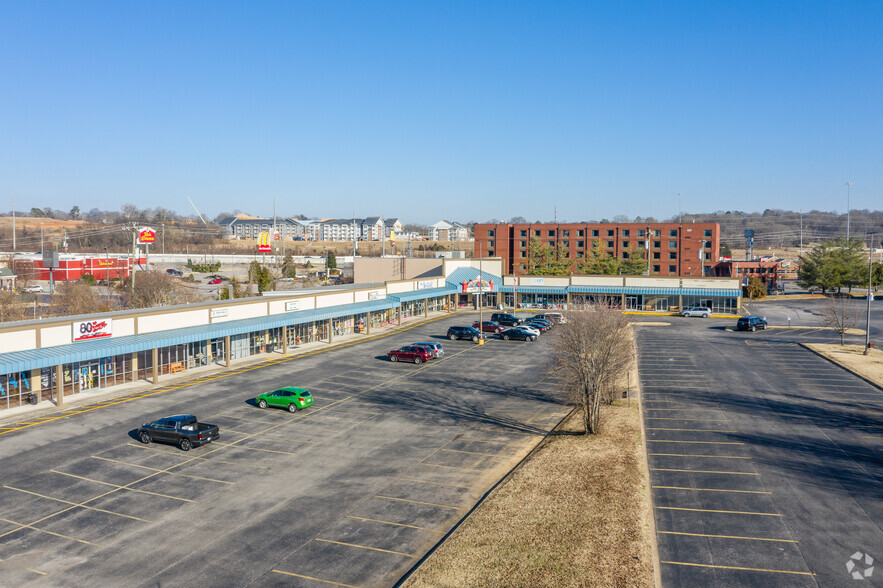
x: 94, y: 329
x: 50, y: 259
x: 264, y: 243
x: 146, y: 236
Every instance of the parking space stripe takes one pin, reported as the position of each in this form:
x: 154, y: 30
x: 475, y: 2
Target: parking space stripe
x: 33, y: 528
x: 711, y: 490
x: 728, y: 537
x: 393, y: 524
x: 159, y: 471
x: 471, y: 452
x: 683, y: 419
x: 212, y: 460
x: 364, y: 547
x: 417, y: 502
x: 691, y: 430
x: 256, y: 449
x: 762, y: 514
x: 438, y: 465
x: 690, y: 409
x: 681, y: 563
x: 121, y: 487
x: 702, y: 442
x: 314, y: 579
x: 81, y: 505
x: 701, y: 455
x: 704, y: 472
x: 436, y: 483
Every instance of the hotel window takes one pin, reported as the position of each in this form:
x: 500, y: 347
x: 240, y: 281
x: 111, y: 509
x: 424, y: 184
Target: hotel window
x: 640, y: 232
x: 579, y: 233
x: 625, y: 233
x: 523, y: 243
x: 490, y: 233
x: 565, y: 233
x: 551, y: 243
x: 609, y: 232
x: 594, y: 232
x: 672, y: 269
x: 580, y: 243
x: 656, y: 269
x: 657, y: 244
x: 672, y: 254
x: 625, y: 254
x: 551, y: 232
x: 708, y: 233
x: 524, y: 232
x: 536, y: 233
x: 610, y: 244
x: 656, y: 233
x: 656, y: 255
x: 522, y: 254
x: 672, y: 244
x: 625, y: 244
x: 673, y: 233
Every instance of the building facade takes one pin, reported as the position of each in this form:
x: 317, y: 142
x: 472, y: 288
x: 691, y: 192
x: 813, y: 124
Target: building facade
x: 668, y: 249
x: 251, y: 228
x: 767, y: 270
x: 447, y: 231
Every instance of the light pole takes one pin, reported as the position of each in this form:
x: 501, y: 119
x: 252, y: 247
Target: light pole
x: 680, y: 214
x: 870, y: 272
x: 106, y: 267
x: 848, y: 186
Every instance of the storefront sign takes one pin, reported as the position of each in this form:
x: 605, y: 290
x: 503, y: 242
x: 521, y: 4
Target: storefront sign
x: 94, y: 329
x: 292, y: 305
x: 422, y: 285
x: 219, y: 312
x: 373, y: 295
x: 146, y: 236
x: 264, y: 243
x: 477, y: 285
x: 538, y: 281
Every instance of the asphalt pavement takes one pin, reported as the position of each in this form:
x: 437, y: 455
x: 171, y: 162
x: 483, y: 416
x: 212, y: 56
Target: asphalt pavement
x: 350, y: 492
x: 766, y: 460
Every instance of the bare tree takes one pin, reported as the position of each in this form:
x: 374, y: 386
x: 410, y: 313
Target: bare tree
x: 840, y: 314
x: 590, y: 350
x: 11, y: 307
x: 77, y: 297
x: 154, y: 288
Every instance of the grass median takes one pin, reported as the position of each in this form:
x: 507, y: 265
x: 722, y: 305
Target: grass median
x: 576, y: 513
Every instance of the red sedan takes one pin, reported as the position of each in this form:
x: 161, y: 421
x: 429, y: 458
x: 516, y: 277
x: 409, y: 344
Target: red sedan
x: 489, y: 327
x: 216, y: 281
x: 410, y: 353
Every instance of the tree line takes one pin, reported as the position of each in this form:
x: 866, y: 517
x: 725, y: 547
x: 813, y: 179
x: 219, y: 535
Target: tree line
x: 838, y: 263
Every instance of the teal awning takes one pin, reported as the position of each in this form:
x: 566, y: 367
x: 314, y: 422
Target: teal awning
x: 536, y: 289
x: 30, y: 359
x: 422, y: 294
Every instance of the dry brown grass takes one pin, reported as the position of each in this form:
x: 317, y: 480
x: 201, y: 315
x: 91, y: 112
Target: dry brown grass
x: 852, y: 358
x: 575, y: 514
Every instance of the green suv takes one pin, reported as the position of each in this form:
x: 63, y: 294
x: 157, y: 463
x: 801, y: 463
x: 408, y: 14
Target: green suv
x: 291, y: 398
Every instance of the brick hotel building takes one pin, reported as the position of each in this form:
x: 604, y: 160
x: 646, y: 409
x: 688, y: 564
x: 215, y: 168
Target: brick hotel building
x: 674, y: 247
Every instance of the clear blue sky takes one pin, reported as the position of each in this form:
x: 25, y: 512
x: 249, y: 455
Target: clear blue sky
x: 430, y: 110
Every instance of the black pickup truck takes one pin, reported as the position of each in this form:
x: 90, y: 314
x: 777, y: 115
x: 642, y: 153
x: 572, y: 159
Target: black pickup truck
x: 182, y: 430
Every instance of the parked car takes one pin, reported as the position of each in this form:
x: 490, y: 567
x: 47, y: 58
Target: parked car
x: 472, y: 333
x: 216, y: 281
x: 435, y: 348
x: 174, y: 272
x: 410, y: 353
x: 700, y: 311
x: 489, y: 327
x: 504, y: 318
x: 183, y: 430
x: 518, y: 333
x: 540, y: 326
x: 539, y: 321
x: 33, y: 289
x: 553, y: 317
x: 289, y: 397
x: 751, y: 323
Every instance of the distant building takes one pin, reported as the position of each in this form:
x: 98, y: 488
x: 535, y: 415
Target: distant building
x: 767, y: 270
x: 251, y: 228
x: 669, y: 249
x: 447, y: 231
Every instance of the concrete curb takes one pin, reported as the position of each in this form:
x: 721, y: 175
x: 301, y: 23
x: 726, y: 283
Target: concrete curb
x: 481, y: 500
x: 843, y: 367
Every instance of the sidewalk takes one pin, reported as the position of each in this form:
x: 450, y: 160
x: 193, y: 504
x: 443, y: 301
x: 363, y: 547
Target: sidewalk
x: 73, y: 401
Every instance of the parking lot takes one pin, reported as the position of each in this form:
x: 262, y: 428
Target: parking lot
x: 766, y: 460
x: 349, y: 492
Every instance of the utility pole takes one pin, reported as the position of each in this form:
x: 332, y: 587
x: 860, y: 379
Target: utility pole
x: 848, y: 186
x: 164, y: 238
x: 134, y: 236
x: 702, y: 257
x: 801, y: 233
x: 13, y: 224
x: 382, y: 236
x: 680, y: 214
x: 868, y: 323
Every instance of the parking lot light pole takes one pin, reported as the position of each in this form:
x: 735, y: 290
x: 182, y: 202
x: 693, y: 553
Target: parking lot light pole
x: 868, y: 320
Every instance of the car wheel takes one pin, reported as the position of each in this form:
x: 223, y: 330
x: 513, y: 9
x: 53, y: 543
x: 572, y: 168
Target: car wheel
x: 753, y: 328
x: 393, y: 358
x: 292, y: 408
x: 532, y: 339
x: 705, y: 315
x: 505, y: 337
x: 262, y: 404
x: 144, y: 437
x: 452, y: 337
x: 475, y: 338
x: 417, y: 360
x: 185, y: 444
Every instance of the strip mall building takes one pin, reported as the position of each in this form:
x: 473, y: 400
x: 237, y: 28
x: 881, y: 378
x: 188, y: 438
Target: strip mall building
x: 51, y: 359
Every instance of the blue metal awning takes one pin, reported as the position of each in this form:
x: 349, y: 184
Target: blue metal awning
x: 726, y: 292
x: 29, y: 359
x: 467, y: 274
x: 589, y: 289
x: 423, y: 294
x: 536, y: 289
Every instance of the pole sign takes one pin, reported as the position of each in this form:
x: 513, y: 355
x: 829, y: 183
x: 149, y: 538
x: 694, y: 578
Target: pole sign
x: 146, y: 236
x: 94, y: 329
x: 264, y: 243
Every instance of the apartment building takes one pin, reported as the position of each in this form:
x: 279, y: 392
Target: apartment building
x: 447, y: 231
x: 669, y: 249
x: 251, y: 228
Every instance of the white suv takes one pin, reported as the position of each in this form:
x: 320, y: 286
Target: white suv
x: 702, y: 311
x: 33, y: 289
